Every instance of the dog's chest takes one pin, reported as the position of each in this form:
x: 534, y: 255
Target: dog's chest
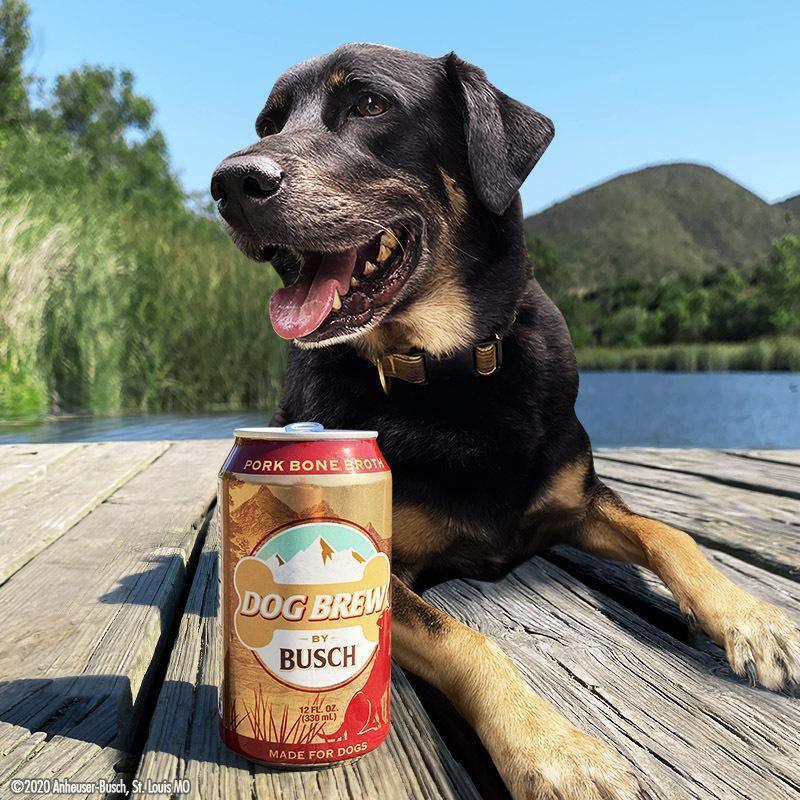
x: 467, y: 443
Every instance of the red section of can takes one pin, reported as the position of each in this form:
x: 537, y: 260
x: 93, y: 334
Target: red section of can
x: 305, y: 572
x: 348, y: 457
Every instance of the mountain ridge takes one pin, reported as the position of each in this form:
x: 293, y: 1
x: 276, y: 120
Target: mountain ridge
x: 661, y: 220
x: 791, y: 204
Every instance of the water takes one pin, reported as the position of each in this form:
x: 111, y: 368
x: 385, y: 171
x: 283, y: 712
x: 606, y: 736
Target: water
x: 698, y: 409
x: 134, y: 427
x: 619, y: 409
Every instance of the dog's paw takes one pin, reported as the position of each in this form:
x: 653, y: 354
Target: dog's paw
x: 760, y: 641
x: 570, y: 766
x: 763, y: 644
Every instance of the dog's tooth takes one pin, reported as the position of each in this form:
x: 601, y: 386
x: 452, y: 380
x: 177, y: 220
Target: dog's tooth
x: 354, y: 282
x: 388, y: 239
x: 337, y: 301
x: 384, y: 253
x: 369, y: 268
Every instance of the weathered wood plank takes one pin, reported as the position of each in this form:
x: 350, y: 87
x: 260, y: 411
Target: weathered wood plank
x: 10, y: 452
x: 758, y: 527
x: 644, y: 593
x: 689, y: 728
x: 184, y: 742
x: 774, y: 477
x: 45, y: 505
x: 791, y: 457
x: 100, y: 603
x: 20, y: 462
x: 64, y: 758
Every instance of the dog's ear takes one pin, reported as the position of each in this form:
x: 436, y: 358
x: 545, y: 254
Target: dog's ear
x: 505, y: 138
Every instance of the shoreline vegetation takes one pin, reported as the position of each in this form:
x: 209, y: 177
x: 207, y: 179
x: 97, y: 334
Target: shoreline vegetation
x: 765, y: 355
x: 727, y: 318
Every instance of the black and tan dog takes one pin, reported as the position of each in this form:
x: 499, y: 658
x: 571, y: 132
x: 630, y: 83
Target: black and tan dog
x: 383, y: 189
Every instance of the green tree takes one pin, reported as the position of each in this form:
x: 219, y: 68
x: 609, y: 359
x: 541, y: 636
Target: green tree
x: 781, y: 279
x: 15, y: 36
x: 736, y: 311
x: 101, y: 111
x: 546, y: 267
x: 559, y: 282
x: 111, y: 128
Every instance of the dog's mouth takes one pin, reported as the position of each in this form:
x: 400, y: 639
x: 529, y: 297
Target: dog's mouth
x: 341, y: 293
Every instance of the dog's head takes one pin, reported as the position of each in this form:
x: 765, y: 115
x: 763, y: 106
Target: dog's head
x: 383, y: 188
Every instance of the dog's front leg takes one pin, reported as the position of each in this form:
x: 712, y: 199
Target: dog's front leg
x: 539, y: 754
x: 760, y: 640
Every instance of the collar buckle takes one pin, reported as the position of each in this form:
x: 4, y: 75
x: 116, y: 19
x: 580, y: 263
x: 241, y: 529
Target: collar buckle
x: 383, y: 380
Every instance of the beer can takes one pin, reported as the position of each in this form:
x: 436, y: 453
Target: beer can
x: 305, y: 517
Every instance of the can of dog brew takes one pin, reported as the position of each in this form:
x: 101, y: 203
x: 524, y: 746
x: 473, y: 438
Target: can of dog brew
x: 305, y: 516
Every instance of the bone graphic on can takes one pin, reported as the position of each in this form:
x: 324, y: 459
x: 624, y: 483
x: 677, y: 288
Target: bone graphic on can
x: 312, y: 635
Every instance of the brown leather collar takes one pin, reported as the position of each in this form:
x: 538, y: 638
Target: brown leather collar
x: 482, y: 360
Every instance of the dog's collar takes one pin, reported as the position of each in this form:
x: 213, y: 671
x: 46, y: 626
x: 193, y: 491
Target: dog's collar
x: 420, y: 368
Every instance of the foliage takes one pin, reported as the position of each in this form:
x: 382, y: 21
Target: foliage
x: 114, y: 295
x: 780, y: 277
x: 97, y: 113
x: 791, y: 205
x: 14, y: 40
x: 30, y: 260
x: 726, y: 305
x: 781, y: 354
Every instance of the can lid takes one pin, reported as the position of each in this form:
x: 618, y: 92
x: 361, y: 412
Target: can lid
x: 302, y: 432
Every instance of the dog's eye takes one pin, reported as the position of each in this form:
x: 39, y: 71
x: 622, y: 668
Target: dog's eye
x: 267, y: 127
x: 371, y: 105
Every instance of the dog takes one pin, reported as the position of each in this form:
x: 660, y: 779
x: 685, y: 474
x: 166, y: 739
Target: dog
x: 384, y: 190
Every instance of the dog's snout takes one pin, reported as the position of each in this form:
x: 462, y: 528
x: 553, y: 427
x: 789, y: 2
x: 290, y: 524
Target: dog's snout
x: 241, y: 180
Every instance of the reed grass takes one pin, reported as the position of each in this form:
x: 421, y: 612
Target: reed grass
x: 106, y: 310
x: 781, y: 354
x: 30, y: 262
x: 268, y: 723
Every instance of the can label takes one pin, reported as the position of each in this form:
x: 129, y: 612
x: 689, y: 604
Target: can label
x: 306, y: 612
x: 310, y: 603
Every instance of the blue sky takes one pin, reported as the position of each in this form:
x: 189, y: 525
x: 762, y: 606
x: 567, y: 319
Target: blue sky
x: 627, y: 83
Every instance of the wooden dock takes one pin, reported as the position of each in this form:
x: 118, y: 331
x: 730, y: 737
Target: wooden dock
x: 108, y: 614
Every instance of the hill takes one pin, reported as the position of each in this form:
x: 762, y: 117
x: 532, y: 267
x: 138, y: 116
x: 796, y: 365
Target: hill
x: 791, y: 204
x: 667, y: 219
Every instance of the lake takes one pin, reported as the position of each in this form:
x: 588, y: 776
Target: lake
x: 619, y: 409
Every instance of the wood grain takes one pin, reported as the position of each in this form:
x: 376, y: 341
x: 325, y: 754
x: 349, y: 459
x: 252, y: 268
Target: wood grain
x: 774, y: 477
x: 761, y: 528
x: 19, y: 462
x: 50, y: 500
x: 99, y: 606
x: 791, y: 457
x: 107, y: 598
x: 641, y: 591
x: 690, y: 729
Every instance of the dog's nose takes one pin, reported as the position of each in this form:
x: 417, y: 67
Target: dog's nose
x: 243, y: 180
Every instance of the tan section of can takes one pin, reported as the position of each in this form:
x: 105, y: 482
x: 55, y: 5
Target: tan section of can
x: 305, y: 563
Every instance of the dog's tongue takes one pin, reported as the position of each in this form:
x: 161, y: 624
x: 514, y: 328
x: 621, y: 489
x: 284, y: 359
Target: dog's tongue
x: 299, y: 309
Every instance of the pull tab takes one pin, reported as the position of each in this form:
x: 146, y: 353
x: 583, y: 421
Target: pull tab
x: 304, y: 427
